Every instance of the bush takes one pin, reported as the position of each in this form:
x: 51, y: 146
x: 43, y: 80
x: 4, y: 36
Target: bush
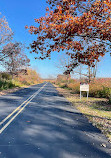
x: 110, y: 100
x: 100, y: 88
x: 29, y: 79
x: 5, y: 75
x: 65, y: 86
x: 75, y: 87
x: 71, y: 81
x: 105, y: 93
x: 6, y: 85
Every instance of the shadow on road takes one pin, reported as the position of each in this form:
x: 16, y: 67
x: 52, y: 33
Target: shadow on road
x: 50, y: 128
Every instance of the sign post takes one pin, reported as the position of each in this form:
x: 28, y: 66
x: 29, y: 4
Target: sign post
x: 84, y: 87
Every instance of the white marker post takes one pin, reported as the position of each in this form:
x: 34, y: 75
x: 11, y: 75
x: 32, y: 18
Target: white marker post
x: 84, y: 87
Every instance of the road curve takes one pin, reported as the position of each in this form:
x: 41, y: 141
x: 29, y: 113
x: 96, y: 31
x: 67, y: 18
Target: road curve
x: 47, y: 127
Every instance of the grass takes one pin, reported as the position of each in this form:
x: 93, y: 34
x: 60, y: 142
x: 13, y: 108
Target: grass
x: 99, y: 88
x: 94, y: 106
x: 97, y: 110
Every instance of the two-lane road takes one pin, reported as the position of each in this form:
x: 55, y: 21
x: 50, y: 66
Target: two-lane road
x: 37, y: 122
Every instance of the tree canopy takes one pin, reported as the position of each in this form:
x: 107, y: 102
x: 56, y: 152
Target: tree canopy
x: 5, y: 31
x: 80, y: 27
x: 15, y: 59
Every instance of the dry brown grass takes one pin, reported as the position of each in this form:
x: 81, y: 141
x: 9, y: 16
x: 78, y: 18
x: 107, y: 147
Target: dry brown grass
x: 97, y: 110
x: 98, y: 88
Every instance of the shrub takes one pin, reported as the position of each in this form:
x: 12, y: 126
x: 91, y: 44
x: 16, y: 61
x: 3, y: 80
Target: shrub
x: 31, y: 78
x: 110, y: 100
x: 6, y: 85
x: 5, y: 75
x: 74, y: 86
x: 100, y: 88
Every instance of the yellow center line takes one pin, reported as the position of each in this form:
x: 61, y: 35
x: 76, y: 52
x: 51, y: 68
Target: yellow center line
x: 14, y: 111
x: 25, y: 103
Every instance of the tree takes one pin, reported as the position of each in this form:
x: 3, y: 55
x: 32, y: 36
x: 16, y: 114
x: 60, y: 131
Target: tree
x: 32, y: 77
x: 81, y: 27
x: 5, y: 34
x: 82, y: 70
x: 62, y: 61
x: 5, y: 31
x: 15, y: 58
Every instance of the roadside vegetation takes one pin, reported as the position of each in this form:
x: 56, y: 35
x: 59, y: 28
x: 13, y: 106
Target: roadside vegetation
x: 97, y: 110
x: 99, y: 88
x: 98, y: 106
x: 30, y: 77
x: 14, y: 63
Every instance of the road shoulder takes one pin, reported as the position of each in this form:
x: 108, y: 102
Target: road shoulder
x: 93, y: 109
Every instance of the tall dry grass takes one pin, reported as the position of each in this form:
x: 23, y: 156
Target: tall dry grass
x: 100, y: 87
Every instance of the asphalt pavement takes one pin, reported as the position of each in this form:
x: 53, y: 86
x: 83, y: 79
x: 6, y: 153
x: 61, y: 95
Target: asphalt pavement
x: 47, y: 126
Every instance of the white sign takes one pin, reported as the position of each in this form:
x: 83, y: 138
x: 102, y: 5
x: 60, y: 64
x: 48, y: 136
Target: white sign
x: 84, y: 87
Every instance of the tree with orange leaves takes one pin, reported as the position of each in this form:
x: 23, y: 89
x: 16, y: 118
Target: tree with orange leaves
x: 80, y: 27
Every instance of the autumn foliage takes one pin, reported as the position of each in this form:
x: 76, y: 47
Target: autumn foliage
x: 23, y: 79
x: 13, y: 58
x: 30, y: 78
x: 14, y: 62
x: 80, y: 27
x: 100, y: 87
x: 5, y: 31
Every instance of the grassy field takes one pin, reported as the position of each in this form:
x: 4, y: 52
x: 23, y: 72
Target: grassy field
x: 97, y: 110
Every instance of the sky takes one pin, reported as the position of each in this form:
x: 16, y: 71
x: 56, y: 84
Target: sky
x: 20, y: 13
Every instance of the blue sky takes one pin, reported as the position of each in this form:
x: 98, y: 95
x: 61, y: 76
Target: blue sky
x: 20, y: 13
